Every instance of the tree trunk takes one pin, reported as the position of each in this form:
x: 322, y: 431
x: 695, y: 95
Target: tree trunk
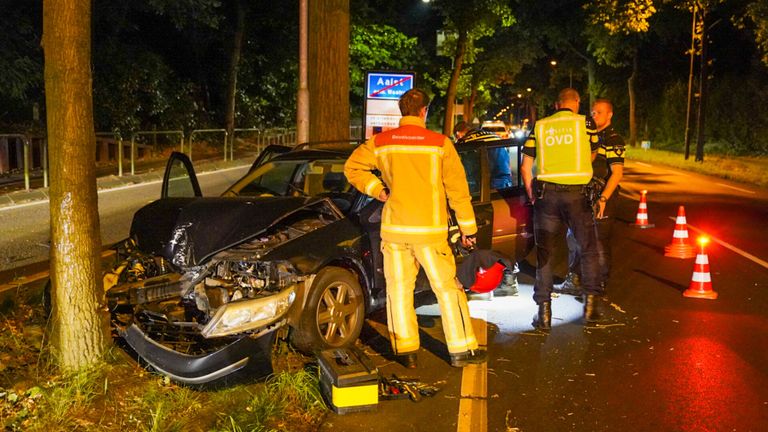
x: 591, y: 82
x: 453, y: 84
x: 469, y: 107
x: 234, y: 68
x: 328, y: 70
x: 469, y: 102
x: 80, y: 326
x: 632, y: 101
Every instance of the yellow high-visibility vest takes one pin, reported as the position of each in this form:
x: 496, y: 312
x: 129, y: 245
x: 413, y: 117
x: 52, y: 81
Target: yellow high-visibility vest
x: 563, y: 149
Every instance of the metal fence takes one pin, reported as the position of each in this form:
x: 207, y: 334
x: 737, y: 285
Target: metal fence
x: 28, y: 152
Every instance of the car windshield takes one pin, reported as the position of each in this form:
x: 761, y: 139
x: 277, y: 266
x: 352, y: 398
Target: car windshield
x: 295, y: 178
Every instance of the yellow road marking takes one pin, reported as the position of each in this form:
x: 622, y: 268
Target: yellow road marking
x: 473, y: 404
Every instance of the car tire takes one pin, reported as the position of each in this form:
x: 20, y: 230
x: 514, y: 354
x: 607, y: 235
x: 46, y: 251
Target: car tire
x: 334, y: 314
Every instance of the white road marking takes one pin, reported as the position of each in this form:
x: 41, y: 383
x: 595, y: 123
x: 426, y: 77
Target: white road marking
x: 128, y: 186
x: 643, y: 164
x: 743, y: 253
x: 735, y: 188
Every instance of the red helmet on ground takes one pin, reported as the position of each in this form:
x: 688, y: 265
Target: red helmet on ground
x: 486, y: 280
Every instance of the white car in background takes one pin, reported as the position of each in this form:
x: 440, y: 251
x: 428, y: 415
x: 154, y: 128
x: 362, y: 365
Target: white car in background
x: 497, y: 127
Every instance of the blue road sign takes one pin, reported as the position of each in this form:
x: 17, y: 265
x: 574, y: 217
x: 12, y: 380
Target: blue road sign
x: 382, y: 85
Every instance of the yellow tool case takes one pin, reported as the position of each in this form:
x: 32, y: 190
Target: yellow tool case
x: 349, y: 380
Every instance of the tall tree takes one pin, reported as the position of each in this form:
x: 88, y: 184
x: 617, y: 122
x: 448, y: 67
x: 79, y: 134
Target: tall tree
x: 234, y: 68
x: 498, y: 61
x: 80, y: 323
x: 615, y: 39
x: 468, y: 20
x: 328, y: 70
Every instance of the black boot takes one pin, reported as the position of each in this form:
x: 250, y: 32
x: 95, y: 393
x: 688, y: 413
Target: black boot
x: 543, y: 320
x: 408, y: 360
x: 469, y: 357
x: 571, y: 285
x: 592, y: 309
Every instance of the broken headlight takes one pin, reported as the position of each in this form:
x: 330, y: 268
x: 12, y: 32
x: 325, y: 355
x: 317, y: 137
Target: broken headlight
x: 249, y: 314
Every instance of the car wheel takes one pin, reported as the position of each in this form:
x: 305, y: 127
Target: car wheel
x: 334, y: 313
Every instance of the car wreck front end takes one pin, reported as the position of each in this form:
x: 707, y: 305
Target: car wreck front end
x: 200, y: 299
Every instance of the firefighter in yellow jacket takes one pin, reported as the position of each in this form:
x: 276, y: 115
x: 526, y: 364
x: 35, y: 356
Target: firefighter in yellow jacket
x: 419, y: 169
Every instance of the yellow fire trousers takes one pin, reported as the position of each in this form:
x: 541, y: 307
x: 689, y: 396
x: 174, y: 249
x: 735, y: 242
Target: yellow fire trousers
x: 401, y: 266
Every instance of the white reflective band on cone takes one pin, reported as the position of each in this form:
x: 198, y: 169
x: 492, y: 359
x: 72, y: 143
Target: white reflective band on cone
x: 701, y: 277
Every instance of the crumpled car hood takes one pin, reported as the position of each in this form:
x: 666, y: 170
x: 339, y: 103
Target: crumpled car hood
x: 188, y: 231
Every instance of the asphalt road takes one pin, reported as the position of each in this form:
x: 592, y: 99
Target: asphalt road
x: 25, y: 228
x: 664, y: 362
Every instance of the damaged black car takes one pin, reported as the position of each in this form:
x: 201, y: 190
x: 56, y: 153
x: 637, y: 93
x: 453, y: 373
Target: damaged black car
x: 203, y: 285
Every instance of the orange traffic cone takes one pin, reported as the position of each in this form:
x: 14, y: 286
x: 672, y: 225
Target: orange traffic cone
x: 680, y: 248
x: 642, y: 213
x: 701, y: 281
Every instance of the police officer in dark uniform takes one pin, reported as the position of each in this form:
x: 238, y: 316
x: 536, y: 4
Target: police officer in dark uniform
x: 562, y: 146
x: 608, y: 168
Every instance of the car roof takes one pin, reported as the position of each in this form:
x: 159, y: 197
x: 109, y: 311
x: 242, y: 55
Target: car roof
x: 343, y: 150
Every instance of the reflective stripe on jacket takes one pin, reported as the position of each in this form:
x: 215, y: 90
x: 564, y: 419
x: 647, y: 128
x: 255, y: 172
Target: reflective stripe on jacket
x: 421, y: 168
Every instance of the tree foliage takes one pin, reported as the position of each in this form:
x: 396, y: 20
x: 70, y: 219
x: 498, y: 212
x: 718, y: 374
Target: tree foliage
x: 615, y: 26
x: 21, y: 80
x: 755, y: 17
x: 163, y: 63
x: 469, y: 21
x: 383, y: 47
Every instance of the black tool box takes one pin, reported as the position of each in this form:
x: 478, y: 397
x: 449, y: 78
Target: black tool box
x: 349, y: 380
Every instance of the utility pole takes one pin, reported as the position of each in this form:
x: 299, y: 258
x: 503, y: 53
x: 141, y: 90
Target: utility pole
x: 688, y: 111
x: 700, y: 118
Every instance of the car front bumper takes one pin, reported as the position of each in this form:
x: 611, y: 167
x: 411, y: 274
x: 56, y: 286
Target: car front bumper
x: 245, y: 358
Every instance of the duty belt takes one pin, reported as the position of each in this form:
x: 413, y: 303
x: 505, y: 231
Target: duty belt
x: 562, y: 187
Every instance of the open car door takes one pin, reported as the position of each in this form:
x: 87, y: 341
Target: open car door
x: 180, y: 180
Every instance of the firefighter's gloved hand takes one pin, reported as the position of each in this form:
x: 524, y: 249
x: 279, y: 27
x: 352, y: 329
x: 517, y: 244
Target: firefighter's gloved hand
x: 469, y: 241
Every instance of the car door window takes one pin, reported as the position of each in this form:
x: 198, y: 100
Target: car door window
x: 504, y: 163
x: 179, y: 180
x: 470, y: 159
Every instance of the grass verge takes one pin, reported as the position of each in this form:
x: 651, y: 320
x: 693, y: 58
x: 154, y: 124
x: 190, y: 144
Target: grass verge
x: 743, y: 169
x: 118, y: 395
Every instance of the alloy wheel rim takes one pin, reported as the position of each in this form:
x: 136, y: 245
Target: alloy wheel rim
x: 337, y: 313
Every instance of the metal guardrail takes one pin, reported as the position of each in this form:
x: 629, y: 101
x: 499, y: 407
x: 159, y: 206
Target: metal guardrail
x: 200, y: 131
x: 152, y: 133
x: 263, y: 137
x: 119, y: 140
x: 25, y: 139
